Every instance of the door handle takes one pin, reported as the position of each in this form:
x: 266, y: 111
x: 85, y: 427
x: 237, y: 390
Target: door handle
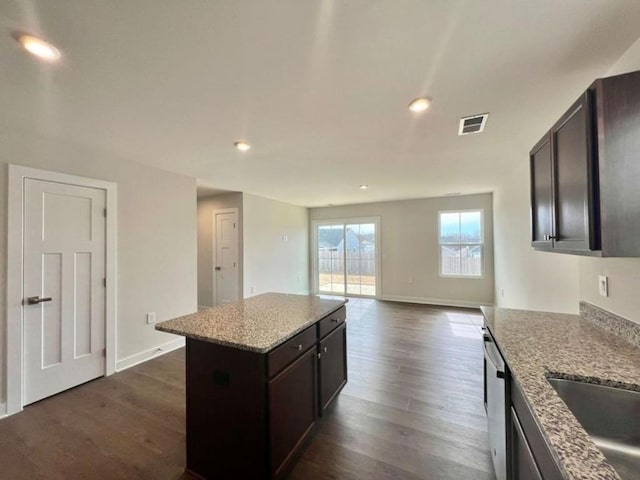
x: 218, y: 268
x: 36, y: 300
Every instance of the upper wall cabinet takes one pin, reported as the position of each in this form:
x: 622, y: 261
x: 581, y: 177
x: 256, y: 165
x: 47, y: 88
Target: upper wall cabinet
x: 585, y: 174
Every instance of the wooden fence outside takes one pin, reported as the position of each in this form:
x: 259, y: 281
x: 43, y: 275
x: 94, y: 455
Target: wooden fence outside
x: 361, y: 263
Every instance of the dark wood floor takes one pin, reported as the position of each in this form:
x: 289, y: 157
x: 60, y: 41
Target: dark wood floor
x: 412, y: 410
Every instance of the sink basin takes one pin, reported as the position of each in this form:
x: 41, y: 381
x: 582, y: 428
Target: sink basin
x: 611, y: 416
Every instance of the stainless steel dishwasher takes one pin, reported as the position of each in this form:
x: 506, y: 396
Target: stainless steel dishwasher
x: 495, y: 404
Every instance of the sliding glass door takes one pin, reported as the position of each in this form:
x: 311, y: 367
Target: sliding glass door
x: 330, y: 259
x: 346, y: 257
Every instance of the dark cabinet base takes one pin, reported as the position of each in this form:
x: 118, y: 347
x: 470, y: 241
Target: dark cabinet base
x: 248, y: 413
x: 226, y: 412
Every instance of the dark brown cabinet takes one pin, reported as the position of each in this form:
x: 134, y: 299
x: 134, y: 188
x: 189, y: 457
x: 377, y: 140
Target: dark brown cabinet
x: 248, y: 413
x: 528, y: 455
x: 333, y: 365
x: 585, y: 171
x: 522, y: 462
x: 293, y: 403
x: 574, y: 180
x: 541, y: 193
x: 563, y: 179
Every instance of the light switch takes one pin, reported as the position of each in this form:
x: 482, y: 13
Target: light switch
x: 603, y: 285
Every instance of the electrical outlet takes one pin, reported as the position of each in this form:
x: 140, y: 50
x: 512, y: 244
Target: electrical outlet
x: 285, y: 237
x: 253, y: 289
x: 502, y: 292
x: 603, y: 285
x: 151, y: 317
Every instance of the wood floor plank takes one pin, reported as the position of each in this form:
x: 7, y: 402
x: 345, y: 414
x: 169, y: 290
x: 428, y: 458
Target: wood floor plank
x: 412, y: 410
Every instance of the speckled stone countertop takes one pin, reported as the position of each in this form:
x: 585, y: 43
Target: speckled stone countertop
x: 257, y: 324
x: 537, y: 345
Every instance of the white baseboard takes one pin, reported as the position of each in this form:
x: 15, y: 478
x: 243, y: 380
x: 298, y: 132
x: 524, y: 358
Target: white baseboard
x: 434, y: 301
x: 203, y: 307
x: 142, y: 357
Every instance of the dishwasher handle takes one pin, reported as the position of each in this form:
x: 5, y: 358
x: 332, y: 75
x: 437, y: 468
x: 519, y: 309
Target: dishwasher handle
x: 492, y: 355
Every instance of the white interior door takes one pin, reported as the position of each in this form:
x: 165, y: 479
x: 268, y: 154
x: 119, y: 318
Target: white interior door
x: 226, y: 258
x: 64, y: 295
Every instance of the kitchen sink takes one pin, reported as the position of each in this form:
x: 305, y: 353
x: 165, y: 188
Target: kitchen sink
x: 611, y: 416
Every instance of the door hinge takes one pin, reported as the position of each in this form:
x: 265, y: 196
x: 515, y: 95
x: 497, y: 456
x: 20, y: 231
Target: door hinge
x: 104, y: 352
x: 104, y: 212
x: 234, y: 224
x: 104, y: 282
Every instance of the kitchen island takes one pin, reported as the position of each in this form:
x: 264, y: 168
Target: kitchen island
x: 259, y: 374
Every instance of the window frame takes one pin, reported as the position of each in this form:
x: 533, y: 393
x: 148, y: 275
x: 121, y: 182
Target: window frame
x: 480, y: 244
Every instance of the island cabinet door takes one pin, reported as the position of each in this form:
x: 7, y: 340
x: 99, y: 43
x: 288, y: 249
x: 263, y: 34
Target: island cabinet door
x: 333, y: 366
x: 292, y: 408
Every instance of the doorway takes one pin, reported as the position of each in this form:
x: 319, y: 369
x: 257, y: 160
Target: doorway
x: 61, y: 283
x: 225, y: 269
x: 347, y: 257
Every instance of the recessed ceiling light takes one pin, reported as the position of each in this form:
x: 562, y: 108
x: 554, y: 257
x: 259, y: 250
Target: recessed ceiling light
x: 242, y: 146
x: 364, y: 187
x: 38, y: 47
x: 420, y: 104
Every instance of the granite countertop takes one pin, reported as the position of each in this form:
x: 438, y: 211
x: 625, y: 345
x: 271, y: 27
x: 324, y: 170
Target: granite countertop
x: 538, y: 345
x: 257, y: 324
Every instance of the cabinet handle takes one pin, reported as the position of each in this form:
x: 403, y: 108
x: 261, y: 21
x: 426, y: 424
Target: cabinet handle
x: 335, y: 320
x: 299, y: 348
x: 319, y: 355
x: 324, y: 350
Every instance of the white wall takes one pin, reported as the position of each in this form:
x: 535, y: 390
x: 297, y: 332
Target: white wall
x: 156, y: 235
x: 525, y: 278
x: 623, y: 273
x: 206, y: 229
x: 272, y: 264
x: 409, y: 249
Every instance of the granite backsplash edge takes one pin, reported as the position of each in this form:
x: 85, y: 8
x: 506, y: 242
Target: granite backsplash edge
x: 620, y: 326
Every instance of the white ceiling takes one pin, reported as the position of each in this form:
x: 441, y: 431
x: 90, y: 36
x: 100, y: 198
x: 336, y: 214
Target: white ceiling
x: 319, y: 87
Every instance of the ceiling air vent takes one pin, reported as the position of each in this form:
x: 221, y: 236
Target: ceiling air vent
x: 473, y: 124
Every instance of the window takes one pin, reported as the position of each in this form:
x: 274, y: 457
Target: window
x: 461, y: 241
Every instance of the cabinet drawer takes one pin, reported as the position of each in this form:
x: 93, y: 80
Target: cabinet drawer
x: 331, y: 322
x: 286, y: 353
